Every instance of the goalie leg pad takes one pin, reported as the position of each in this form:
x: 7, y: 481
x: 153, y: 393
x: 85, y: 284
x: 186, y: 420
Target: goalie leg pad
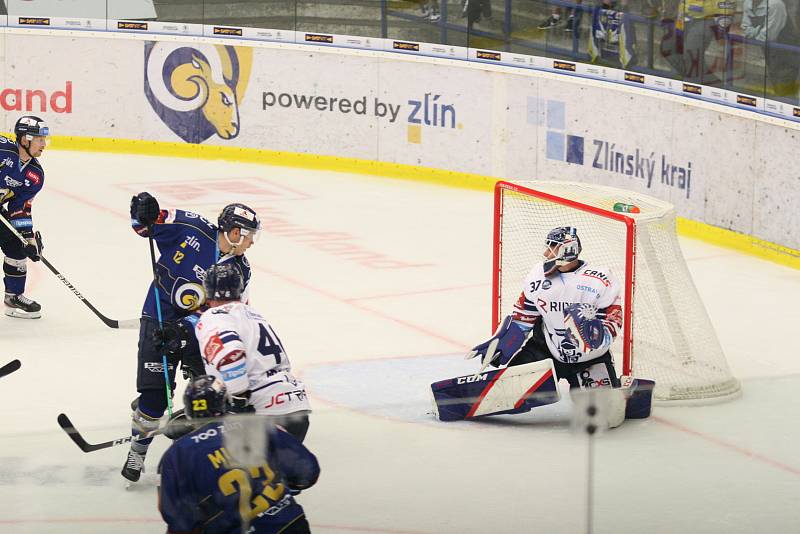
x: 639, y: 392
x: 599, y: 379
x: 509, y: 390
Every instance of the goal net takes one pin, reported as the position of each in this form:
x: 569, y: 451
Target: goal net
x: 667, y: 335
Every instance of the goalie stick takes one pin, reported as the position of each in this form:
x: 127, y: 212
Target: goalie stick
x: 10, y: 367
x: 85, y: 446
x: 111, y: 323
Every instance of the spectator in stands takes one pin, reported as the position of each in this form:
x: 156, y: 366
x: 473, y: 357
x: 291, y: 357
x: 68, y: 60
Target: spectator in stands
x: 475, y: 11
x: 611, y: 41
x: 697, y: 23
x: 775, y: 22
x: 573, y: 18
x: 430, y: 10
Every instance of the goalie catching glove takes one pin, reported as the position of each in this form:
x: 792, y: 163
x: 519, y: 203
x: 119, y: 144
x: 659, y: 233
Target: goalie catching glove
x: 585, y: 331
x: 503, y: 345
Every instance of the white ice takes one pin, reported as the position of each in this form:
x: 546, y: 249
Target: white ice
x: 377, y: 287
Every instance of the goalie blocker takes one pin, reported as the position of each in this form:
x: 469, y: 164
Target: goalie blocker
x: 520, y: 388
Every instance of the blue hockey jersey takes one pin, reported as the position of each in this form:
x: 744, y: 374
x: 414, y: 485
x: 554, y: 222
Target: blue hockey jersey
x: 19, y: 183
x: 188, y: 246
x: 202, y: 489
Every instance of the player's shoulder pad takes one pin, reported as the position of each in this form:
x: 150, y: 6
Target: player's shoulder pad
x: 34, y: 174
x: 8, y: 145
x: 201, y: 435
x: 225, y: 309
x: 193, y: 219
x: 34, y: 162
x: 598, y: 272
x: 250, y: 313
x: 536, y: 280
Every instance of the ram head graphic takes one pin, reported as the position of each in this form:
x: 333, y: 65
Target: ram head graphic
x: 196, y: 89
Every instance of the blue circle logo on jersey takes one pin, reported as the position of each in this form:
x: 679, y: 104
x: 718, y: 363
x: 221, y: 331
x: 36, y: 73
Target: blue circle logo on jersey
x: 196, y: 90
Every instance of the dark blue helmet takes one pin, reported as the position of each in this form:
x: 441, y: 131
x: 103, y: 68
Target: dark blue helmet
x: 30, y: 125
x: 238, y: 216
x: 205, y: 397
x: 223, y: 281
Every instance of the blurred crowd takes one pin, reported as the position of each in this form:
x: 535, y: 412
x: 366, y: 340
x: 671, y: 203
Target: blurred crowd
x: 750, y: 45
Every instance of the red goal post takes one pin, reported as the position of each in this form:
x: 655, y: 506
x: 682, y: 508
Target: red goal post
x: 666, y: 334
x: 630, y: 258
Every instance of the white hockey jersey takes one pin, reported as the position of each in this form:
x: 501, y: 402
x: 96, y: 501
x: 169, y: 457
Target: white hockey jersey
x: 239, y: 346
x: 554, y: 298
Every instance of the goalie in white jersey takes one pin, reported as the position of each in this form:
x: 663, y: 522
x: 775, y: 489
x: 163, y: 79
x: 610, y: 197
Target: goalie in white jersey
x: 568, y: 311
x: 562, y: 327
x: 240, y: 347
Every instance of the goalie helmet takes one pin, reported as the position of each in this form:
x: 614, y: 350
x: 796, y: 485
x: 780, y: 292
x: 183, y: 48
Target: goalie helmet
x: 563, y: 246
x: 205, y: 397
x: 239, y: 216
x: 30, y: 125
x: 223, y: 281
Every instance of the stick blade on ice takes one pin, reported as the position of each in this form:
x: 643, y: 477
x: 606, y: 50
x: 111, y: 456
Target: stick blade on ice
x: 10, y: 367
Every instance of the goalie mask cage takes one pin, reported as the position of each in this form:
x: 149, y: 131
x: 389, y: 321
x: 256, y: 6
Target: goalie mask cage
x: 667, y: 335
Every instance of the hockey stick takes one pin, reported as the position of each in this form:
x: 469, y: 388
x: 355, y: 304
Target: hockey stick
x: 160, y: 322
x: 85, y: 446
x: 111, y: 323
x: 9, y: 368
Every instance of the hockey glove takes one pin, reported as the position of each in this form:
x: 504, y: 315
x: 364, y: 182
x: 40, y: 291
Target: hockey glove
x: 172, y: 337
x: 145, y: 209
x: 240, y: 403
x: 585, y: 330
x: 33, y: 250
x: 505, y: 343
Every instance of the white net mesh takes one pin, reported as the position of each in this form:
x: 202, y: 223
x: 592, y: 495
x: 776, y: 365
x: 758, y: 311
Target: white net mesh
x: 674, y: 342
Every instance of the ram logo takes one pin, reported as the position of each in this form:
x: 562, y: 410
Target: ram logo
x: 196, y: 90
x: 188, y: 296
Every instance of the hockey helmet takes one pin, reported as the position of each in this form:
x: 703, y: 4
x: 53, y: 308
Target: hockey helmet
x: 563, y: 246
x: 30, y: 126
x: 205, y: 397
x: 223, y: 281
x: 239, y: 216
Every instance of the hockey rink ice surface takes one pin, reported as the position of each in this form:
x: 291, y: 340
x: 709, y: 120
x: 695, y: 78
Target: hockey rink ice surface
x: 377, y: 288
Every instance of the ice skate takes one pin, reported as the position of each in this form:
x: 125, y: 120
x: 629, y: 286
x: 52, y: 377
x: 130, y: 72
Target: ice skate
x: 134, y: 466
x: 22, y: 307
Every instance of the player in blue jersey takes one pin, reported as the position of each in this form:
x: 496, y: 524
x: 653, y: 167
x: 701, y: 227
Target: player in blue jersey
x: 21, y: 178
x: 205, y: 489
x: 188, y: 245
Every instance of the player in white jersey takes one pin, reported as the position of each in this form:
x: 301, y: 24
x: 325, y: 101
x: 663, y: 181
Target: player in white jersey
x: 568, y: 311
x: 240, y: 347
x: 562, y: 327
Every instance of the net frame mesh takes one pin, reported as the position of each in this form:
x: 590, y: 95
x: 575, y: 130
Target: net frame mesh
x: 672, y: 340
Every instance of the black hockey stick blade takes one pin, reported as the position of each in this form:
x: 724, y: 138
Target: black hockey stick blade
x: 74, y: 435
x: 85, y: 446
x: 10, y: 367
